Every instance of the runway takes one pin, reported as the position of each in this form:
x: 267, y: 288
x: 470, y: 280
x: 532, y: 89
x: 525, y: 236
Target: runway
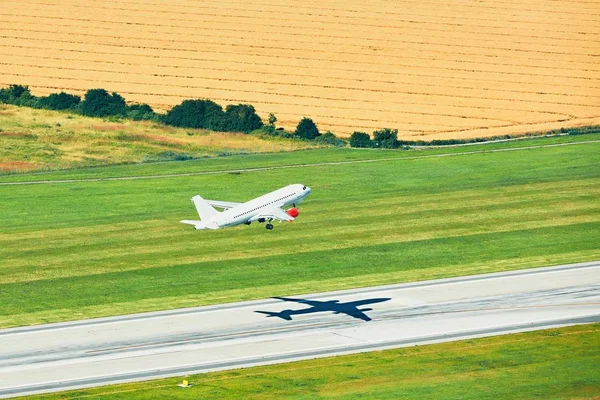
x: 78, y: 354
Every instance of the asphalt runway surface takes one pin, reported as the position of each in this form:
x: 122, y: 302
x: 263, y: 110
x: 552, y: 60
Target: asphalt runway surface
x: 78, y: 354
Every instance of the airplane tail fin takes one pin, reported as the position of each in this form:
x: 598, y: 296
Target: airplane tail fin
x: 205, y: 210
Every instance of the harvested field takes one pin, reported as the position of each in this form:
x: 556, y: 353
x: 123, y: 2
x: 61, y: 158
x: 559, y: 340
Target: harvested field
x: 432, y: 69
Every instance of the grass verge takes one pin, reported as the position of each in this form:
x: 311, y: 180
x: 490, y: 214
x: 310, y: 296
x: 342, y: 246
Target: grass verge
x: 549, y: 364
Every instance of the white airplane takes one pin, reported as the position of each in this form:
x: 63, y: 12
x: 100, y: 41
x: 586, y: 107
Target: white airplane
x: 265, y: 208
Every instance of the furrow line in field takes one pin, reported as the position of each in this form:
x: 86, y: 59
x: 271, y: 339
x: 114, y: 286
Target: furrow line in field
x: 274, y: 92
x: 300, y: 9
x: 309, y: 5
x: 255, y: 41
x: 177, y: 66
x: 178, y: 23
x: 19, y: 36
x: 282, y: 31
x: 282, y: 83
x: 311, y: 59
x: 326, y: 18
x: 364, y: 9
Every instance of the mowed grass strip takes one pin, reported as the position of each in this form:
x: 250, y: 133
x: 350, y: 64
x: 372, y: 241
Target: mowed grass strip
x: 362, y: 224
x: 548, y: 364
x: 102, y: 248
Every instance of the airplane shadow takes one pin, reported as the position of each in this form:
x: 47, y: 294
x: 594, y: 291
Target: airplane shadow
x: 350, y: 308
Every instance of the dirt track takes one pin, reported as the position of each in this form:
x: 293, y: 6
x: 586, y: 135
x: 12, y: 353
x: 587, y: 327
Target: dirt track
x: 432, y: 69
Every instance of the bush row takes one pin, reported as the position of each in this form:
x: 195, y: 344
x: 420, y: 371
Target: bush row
x: 201, y: 113
x: 97, y: 103
x: 388, y: 138
x: 204, y: 114
x: 383, y: 139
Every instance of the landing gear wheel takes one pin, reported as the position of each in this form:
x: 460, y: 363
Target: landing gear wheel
x: 269, y: 226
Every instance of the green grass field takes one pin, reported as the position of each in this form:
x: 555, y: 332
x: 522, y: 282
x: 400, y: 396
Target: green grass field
x: 87, y: 249
x: 550, y: 364
x: 286, y: 158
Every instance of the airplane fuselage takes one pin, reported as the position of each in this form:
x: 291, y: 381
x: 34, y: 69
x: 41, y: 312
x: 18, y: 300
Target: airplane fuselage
x: 251, y: 210
x: 265, y: 208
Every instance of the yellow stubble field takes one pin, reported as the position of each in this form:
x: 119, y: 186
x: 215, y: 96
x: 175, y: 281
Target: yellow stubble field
x: 431, y: 69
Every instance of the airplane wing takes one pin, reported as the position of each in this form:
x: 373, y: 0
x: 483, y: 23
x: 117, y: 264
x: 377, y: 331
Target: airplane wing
x: 276, y: 213
x: 356, y: 314
x: 222, y: 204
x: 301, y: 301
x: 359, y: 303
x: 190, y: 222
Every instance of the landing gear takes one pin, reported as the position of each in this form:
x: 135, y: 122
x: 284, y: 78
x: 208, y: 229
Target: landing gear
x: 269, y: 226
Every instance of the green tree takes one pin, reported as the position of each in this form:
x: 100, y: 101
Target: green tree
x: 272, y: 120
x: 99, y: 103
x: 59, y: 101
x: 360, y: 139
x: 141, y: 112
x: 17, y: 94
x: 241, y: 118
x: 331, y: 139
x: 18, y: 91
x: 203, y: 114
x: 307, y: 129
x: 386, y: 138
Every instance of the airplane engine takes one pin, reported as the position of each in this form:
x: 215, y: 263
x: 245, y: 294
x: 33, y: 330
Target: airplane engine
x: 293, y: 212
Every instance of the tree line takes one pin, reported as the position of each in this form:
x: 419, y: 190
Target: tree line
x: 206, y: 114
x: 198, y: 113
x: 203, y: 114
x: 388, y: 138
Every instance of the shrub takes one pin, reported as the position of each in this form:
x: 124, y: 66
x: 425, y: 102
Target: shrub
x: 360, y: 139
x: 266, y: 130
x: 307, y: 129
x: 140, y: 112
x: 16, y: 91
x: 386, y: 138
x: 59, y: 101
x: 204, y: 114
x: 331, y: 139
x: 18, y: 95
x: 99, y: 103
x: 241, y: 118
